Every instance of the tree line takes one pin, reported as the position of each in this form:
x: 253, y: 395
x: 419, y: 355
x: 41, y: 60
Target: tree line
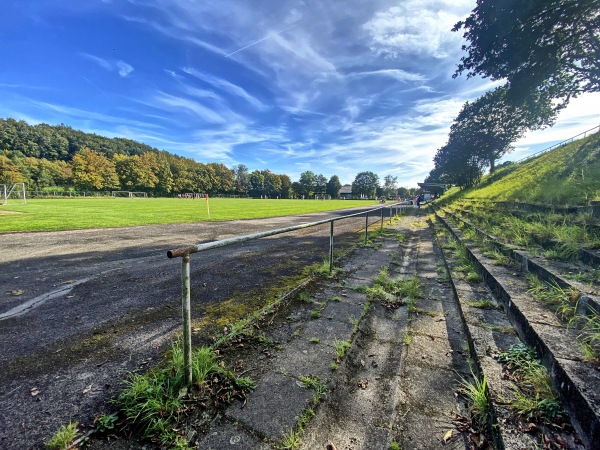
x: 546, y: 51
x: 45, y: 156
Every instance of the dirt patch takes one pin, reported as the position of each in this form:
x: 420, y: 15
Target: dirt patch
x: 6, y: 212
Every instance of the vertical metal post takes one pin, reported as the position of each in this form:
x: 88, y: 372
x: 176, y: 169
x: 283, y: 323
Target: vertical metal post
x: 390, y: 214
x: 366, y: 227
x: 331, y: 249
x: 381, y: 226
x: 187, y: 319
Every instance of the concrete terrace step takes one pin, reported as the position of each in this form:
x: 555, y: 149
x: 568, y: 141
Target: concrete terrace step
x: 397, y: 383
x: 577, y: 382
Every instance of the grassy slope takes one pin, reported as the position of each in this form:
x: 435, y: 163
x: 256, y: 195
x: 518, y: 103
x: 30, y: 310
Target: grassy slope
x: 568, y: 175
x: 68, y: 214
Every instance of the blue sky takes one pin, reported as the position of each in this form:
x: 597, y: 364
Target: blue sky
x: 336, y: 87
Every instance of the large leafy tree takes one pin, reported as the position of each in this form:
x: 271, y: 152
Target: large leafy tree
x: 9, y: 171
x: 257, y: 183
x: 486, y: 128
x: 286, y: 186
x: 320, y: 184
x: 390, y: 185
x: 365, y: 184
x: 334, y: 186
x: 308, y: 180
x: 93, y: 171
x: 272, y: 183
x: 546, y: 49
x: 137, y: 172
x: 242, y: 179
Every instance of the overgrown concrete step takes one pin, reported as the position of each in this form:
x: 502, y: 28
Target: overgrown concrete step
x: 587, y: 257
x: 361, y: 412
x: 490, y: 332
x: 435, y: 361
x: 392, y: 400
x: 280, y: 399
x: 577, y: 382
x: 588, y: 303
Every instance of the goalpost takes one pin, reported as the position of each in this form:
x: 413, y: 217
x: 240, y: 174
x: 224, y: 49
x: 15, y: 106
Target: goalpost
x: 17, y: 190
x: 129, y: 194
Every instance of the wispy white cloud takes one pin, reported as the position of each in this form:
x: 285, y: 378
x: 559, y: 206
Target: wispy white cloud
x: 92, y: 115
x: 119, y: 66
x: 227, y: 87
x: 163, y: 100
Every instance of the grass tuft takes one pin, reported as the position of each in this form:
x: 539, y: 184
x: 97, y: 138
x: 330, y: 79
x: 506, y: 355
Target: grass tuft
x: 63, y: 438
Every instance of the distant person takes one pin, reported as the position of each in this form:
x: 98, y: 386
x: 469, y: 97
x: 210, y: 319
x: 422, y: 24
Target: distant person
x: 418, y: 201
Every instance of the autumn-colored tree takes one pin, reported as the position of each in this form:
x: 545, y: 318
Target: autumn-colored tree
x: 93, y: 171
x: 9, y: 171
x: 136, y: 173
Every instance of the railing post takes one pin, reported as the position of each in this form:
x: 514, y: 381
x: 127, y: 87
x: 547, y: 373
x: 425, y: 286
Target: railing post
x: 381, y: 226
x: 391, y: 214
x: 367, y: 227
x: 331, y: 249
x: 187, y: 319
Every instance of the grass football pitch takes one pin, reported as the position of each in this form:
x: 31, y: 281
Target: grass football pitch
x: 71, y: 214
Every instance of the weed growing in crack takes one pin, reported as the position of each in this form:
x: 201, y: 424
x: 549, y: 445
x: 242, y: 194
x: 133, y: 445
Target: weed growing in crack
x: 313, y: 382
x: 498, y: 258
x: 341, y: 347
x: 533, y: 396
x: 590, y: 338
x: 63, y: 438
x: 290, y: 441
x: 476, y: 394
x: 154, y: 401
x: 315, y: 340
x: 473, y: 277
x: 564, y: 301
x: 483, y: 304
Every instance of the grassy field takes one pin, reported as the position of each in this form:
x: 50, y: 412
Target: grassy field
x: 70, y: 214
x: 567, y: 175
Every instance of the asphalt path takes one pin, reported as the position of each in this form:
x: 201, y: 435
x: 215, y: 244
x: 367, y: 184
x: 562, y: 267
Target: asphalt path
x: 79, y: 309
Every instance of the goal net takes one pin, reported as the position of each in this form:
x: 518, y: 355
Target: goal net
x: 15, y: 191
x: 129, y: 194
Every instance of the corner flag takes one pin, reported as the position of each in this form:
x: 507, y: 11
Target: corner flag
x: 207, y: 206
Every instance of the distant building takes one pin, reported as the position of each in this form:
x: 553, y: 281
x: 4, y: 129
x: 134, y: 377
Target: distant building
x: 346, y: 192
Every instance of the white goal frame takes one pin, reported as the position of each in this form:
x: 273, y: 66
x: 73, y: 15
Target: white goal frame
x: 129, y: 194
x: 6, y: 193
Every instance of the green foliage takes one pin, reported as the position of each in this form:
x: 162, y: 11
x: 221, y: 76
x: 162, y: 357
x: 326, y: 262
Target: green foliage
x: 341, y: 347
x: 479, y: 402
x: 564, y: 301
x: 63, y: 438
x: 153, y: 402
x: 533, y: 396
x: 106, y: 422
x: 519, y: 41
x: 483, y: 304
x: 365, y: 184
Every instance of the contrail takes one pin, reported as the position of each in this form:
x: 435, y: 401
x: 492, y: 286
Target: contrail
x: 93, y: 85
x: 260, y: 40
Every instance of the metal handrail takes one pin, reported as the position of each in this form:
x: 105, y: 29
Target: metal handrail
x: 178, y: 252
x: 560, y: 144
x: 185, y: 252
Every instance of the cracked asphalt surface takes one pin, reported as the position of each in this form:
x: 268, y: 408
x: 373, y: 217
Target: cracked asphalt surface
x: 80, y: 308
